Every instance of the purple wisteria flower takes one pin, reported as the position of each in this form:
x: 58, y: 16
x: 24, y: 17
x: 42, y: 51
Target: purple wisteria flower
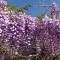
x: 48, y: 36
x: 17, y: 32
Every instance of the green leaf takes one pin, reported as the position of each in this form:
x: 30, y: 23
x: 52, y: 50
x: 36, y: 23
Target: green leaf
x: 41, y: 16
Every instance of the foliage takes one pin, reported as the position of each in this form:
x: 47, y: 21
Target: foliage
x: 41, y: 16
x: 21, y: 9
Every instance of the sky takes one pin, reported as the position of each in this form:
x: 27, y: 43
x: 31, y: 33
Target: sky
x: 35, y: 10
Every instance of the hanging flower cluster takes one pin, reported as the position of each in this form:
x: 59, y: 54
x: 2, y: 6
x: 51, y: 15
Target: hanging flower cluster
x: 48, y: 36
x: 17, y: 31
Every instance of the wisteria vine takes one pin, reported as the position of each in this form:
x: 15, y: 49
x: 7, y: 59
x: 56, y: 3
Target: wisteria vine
x: 21, y: 33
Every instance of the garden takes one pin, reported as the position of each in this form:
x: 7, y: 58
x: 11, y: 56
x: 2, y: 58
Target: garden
x: 24, y: 37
